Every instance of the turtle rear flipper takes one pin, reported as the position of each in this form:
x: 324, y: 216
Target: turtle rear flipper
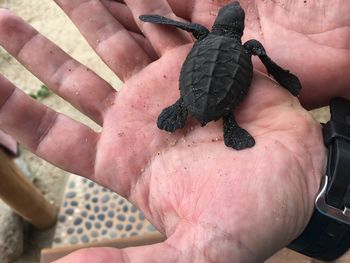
x: 282, y: 76
x: 173, y: 117
x: 198, y: 31
x: 234, y: 136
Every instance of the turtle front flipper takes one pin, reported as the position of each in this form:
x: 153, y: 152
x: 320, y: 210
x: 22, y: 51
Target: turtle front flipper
x: 173, y: 117
x: 198, y: 31
x: 234, y: 136
x: 282, y: 76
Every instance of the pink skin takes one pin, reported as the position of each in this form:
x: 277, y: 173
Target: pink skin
x: 214, y: 204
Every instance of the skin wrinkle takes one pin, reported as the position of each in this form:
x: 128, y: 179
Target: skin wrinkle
x: 281, y: 205
x: 318, y: 42
x: 136, y: 67
x: 278, y: 4
x: 149, y: 205
x: 163, y: 216
x: 303, y: 194
x: 305, y: 186
x: 58, y: 76
x: 64, y: 74
x: 101, y: 32
x: 26, y: 44
x: 174, y: 248
x: 125, y: 257
x: 140, y: 179
x: 9, y: 97
x: 309, y: 35
x: 261, y: 37
x: 94, y: 170
x: 146, y: 173
x: 193, y: 246
x: 108, y: 102
x: 71, y: 12
x: 55, y: 120
x: 144, y: 44
x: 317, y: 177
x: 45, y: 132
x: 304, y: 32
x: 188, y: 7
x: 328, y: 30
x: 123, y: 13
x: 223, y: 234
x: 201, y: 193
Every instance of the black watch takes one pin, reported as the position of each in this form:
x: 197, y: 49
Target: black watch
x: 327, y: 236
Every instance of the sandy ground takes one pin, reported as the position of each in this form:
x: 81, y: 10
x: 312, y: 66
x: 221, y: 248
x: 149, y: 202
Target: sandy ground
x: 48, y: 19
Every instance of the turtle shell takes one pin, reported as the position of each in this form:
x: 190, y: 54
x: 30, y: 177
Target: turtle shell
x: 215, y: 77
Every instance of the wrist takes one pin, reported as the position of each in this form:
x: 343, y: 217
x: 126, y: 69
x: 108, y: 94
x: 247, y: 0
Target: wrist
x: 206, y: 243
x: 200, y: 243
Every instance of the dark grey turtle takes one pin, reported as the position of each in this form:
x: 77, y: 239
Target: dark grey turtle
x: 217, y: 73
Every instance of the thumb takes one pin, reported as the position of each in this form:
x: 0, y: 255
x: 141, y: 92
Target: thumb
x: 161, y: 252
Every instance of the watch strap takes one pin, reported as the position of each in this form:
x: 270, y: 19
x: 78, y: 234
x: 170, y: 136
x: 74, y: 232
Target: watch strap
x: 327, y: 236
x: 324, y: 238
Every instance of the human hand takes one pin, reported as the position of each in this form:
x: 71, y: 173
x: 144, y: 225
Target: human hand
x: 212, y: 202
x: 310, y: 38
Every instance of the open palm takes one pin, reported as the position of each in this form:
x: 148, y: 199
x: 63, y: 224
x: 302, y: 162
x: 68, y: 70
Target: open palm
x: 212, y: 202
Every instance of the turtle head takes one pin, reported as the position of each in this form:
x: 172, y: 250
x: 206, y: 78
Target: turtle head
x: 230, y: 20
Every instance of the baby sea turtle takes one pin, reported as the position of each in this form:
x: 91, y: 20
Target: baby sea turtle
x: 217, y: 73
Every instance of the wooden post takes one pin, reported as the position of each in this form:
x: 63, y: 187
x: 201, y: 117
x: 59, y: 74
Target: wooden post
x: 20, y: 194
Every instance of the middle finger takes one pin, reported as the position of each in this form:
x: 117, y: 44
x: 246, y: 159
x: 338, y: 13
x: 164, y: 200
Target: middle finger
x: 161, y: 37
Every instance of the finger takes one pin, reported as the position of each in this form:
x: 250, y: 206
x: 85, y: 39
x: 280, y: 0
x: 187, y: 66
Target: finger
x: 123, y: 14
x: 65, y: 76
x: 58, y: 139
x: 201, y: 12
x: 162, y: 38
x: 182, y: 9
x: 114, y: 44
x: 160, y: 252
x: 145, y: 45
